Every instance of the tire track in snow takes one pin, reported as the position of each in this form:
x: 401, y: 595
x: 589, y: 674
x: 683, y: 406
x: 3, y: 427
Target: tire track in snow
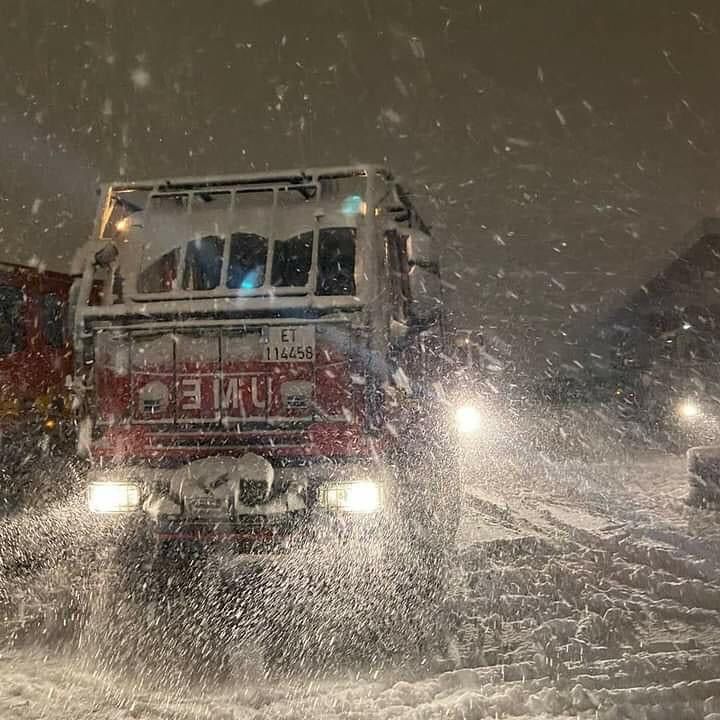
x: 658, y: 685
x: 607, y: 579
x: 567, y: 609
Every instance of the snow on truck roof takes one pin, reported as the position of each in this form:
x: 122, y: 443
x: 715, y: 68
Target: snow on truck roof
x: 293, y: 176
x: 133, y: 196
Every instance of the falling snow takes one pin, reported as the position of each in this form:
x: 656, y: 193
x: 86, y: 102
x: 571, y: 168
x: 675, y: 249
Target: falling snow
x: 391, y: 116
x: 140, y: 78
x: 565, y: 163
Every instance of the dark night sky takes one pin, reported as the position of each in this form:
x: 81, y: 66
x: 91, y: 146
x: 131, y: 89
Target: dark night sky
x: 560, y: 148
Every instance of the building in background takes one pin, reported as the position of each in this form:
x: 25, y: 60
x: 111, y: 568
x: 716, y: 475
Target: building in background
x: 672, y: 321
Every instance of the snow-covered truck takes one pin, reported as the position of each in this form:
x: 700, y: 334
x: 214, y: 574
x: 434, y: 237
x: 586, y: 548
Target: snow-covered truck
x: 268, y: 356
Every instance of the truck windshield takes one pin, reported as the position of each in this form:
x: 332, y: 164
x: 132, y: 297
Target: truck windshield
x: 246, y: 264
x: 159, y: 276
x: 246, y: 261
x: 336, y: 261
x: 203, y: 263
x: 292, y: 261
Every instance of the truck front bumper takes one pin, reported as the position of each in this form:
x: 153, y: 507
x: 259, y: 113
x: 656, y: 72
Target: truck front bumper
x: 324, y: 498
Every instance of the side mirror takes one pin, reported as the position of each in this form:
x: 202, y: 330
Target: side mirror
x: 426, y: 298
x: 421, y: 250
x: 107, y: 255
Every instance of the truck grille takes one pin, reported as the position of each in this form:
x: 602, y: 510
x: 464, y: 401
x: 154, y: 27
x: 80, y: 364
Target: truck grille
x: 228, y: 441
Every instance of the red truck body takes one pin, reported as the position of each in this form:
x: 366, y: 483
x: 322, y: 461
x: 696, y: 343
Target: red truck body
x: 35, y: 352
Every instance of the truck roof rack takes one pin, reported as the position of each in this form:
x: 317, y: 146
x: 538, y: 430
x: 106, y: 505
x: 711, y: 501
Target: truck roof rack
x: 291, y: 177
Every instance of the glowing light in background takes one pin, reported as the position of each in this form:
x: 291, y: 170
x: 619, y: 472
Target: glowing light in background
x: 688, y: 409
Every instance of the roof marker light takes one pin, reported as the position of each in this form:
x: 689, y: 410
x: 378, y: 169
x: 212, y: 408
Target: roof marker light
x: 353, y: 205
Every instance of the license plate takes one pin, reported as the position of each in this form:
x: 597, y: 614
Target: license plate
x: 208, y: 502
x: 207, y: 507
x: 289, y: 344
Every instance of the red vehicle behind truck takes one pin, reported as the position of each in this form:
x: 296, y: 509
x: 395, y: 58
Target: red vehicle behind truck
x: 269, y: 355
x: 35, y: 355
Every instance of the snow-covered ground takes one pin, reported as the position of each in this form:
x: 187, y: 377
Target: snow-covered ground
x: 580, y: 590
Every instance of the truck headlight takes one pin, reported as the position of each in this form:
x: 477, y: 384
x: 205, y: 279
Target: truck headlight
x: 359, y: 496
x: 468, y: 419
x: 113, y: 497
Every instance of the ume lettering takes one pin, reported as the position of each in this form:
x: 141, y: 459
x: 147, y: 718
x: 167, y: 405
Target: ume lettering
x: 246, y: 395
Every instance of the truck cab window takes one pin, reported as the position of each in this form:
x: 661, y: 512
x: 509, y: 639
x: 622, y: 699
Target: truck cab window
x: 12, y: 327
x: 246, y: 264
x: 203, y: 263
x: 292, y: 260
x: 160, y: 275
x: 336, y: 261
x: 53, y: 320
